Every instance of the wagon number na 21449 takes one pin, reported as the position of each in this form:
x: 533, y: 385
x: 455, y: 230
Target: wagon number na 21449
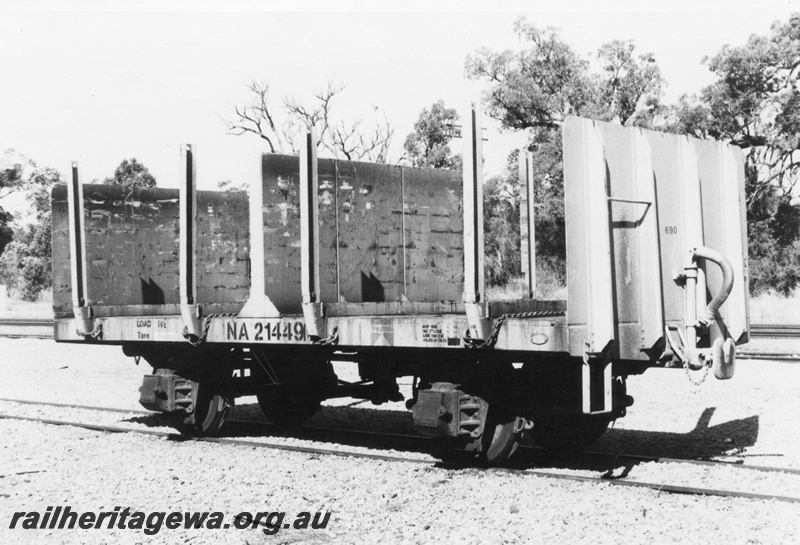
x: 266, y: 331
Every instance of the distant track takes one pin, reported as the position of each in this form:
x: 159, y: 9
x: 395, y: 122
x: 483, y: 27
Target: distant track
x: 775, y: 330
x: 37, y: 328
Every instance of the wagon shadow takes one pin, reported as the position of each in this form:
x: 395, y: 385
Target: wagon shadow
x: 366, y: 427
x: 704, y: 442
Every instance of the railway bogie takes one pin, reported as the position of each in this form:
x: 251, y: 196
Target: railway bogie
x: 382, y: 266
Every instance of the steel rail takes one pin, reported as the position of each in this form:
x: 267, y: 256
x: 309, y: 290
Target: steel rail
x: 775, y: 330
x: 38, y: 328
x: 660, y: 487
x: 422, y: 438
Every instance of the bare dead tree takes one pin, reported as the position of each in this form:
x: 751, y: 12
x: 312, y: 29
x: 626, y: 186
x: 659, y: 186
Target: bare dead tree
x: 256, y: 117
x: 353, y: 141
x: 317, y: 115
x: 371, y: 144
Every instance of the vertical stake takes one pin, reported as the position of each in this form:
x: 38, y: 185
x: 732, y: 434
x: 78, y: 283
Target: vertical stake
x: 309, y: 235
x: 188, y: 235
x: 309, y: 219
x: 479, y: 325
x: 77, y: 240
x: 526, y: 223
x: 258, y: 304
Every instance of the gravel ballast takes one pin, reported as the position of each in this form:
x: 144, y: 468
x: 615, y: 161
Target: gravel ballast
x: 752, y: 416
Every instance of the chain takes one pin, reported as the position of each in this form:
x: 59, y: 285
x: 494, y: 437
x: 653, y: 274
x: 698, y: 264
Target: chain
x: 689, y: 376
x: 469, y: 342
x: 201, y: 339
x: 96, y: 333
x: 330, y: 341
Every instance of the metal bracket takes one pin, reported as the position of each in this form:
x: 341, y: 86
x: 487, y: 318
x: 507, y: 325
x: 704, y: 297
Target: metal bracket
x: 192, y: 322
x: 258, y: 305
x: 314, y: 315
x: 480, y: 326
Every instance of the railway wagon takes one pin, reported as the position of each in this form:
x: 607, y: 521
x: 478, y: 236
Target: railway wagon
x: 231, y: 294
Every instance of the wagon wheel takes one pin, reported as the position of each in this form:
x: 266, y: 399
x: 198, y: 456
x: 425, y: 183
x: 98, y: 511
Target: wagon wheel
x: 568, y: 433
x: 284, y: 407
x: 497, y: 446
x: 209, y: 414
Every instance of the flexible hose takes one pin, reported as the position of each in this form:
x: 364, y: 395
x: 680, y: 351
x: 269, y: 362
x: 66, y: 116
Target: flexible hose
x: 707, y: 315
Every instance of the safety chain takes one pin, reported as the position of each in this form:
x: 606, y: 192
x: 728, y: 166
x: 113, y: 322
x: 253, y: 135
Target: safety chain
x: 469, y: 342
x: 330, y: 341
x: 96, y: 333
x: 689, y: 376
x: 201, y: 339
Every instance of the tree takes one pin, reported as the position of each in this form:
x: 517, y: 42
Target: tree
x: 428, y: 145
x: 754, y: 103
x: 501, y: 225
x: 281, y: 127
x: 227, y: 186
x: 629, y: 87
x: 26, y: 262
x: 131, y: 174
x: 541, y: 85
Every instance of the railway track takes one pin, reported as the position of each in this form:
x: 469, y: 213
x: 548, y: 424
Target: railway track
x: 625, y: 460
x: 37, y: 328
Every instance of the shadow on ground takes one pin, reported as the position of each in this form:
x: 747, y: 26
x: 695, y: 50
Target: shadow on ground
x: 703, y: 442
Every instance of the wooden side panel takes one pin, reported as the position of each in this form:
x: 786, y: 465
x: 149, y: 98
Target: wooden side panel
x: 282, y: 231
x: 328, y: 231
x: 370, y: 228
x: 434, y: 235
x: 132, y: 247
x: 223, y: 241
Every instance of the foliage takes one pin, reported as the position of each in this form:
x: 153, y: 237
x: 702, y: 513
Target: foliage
x: 754, y: 103
x: 228, y: 186
x: 131, y: 174
x: 428, y: 145
x: 12, y: 179
x: 282, y: 127
x: 629, y: 88
x: 539, y: 86
x: 26, y: 262
x: 501, y: 228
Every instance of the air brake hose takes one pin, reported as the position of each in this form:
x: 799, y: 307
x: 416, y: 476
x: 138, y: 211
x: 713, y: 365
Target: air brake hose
x: 707, y: 315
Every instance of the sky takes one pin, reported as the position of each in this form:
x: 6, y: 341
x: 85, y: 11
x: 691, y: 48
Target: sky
x: 99, y: 82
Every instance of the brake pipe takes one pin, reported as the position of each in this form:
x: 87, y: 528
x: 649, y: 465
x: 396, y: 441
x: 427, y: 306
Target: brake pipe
x: 707, y: 314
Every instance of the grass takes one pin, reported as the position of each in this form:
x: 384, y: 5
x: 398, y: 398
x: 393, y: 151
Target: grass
x: 12, y: 306
x: 773, y: 308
